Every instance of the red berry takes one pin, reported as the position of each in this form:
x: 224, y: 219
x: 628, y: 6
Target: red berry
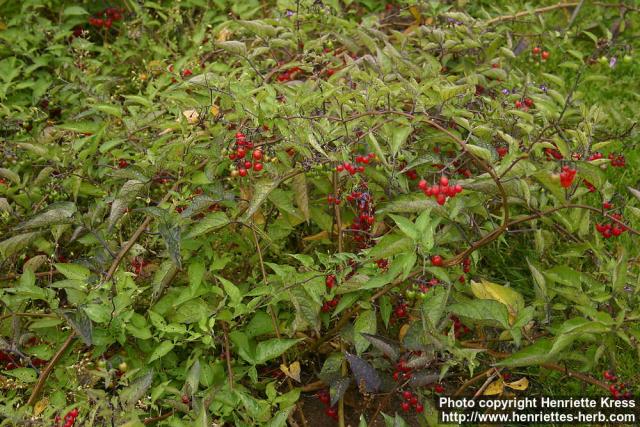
x: 396, y: 376
x: 419, y: 408
x: 240, y: 153
x: 436, y: 260
x: 528, y: 102
x: 186, y: 73
x: 545, y: 55
x: 242, y: 172
x: 441, y: 199
x: 444, y: 181
x: 257, y: 154
x: 331, y: 412
x: 405, y: 406
x: 122, y: 163
x: 438, y: 388
x: 185, y: 399
x: 536, y: 50
x: 339, y: 168
x: 257, y: 166
x: 331, y: 72
x: 407, y: 395
x: 518, y: 104
x: 422, y: 184
x: 247, y: 164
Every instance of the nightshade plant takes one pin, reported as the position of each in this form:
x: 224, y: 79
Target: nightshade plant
x: 212, y: 212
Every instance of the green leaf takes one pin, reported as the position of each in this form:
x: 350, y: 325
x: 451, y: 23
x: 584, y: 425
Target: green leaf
x: 57, y: 213
x: 261, y: 191
x: 16, y: 243
x: 74, y: 11
x: 406, y: 226
x: 365, y: 323
x: 161, y: 350
x: 270, y: 349
x: 209, y: 223
x: 483, y: 310
x: 480, y: 152
x: 73, y: 271
x: 300, y: 192
x: 399, y: 135
x: 533, y: 355
x: 231, y: 290
x: 127, y: 194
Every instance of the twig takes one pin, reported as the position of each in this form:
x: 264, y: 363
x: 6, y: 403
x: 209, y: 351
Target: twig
x: 158, y: 418
x: 487, y: 382
x: 530, y: 12
x: 471, y: 381
x: 47, y: 370
x: 227, y: 353
x: 9, y: 315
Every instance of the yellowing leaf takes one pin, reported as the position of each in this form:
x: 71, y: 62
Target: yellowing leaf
x: 521, y: 384
x: 293, y: 371
x: 192, y: 116
x: 507, y: 296
x: 214, y: 110
x: 494, y: 388
x: 319, y: 236
x: 224, y: 35
x: 403, y: 331
x: 40, y: 406
x: 415, y: 12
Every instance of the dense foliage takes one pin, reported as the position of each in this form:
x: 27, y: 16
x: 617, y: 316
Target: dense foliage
x: 253, y: 212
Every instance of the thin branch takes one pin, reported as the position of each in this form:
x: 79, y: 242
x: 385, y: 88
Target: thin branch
x: 227, y: 353
x: 530, y: 12
x: 47, y: 371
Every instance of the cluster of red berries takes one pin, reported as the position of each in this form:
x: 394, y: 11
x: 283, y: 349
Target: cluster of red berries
x: 7, y: 361
x: 333, y: 200
x: 382, y: 264
x: 458, y: 328
x: 412, y: 174
x: 106, y: 18
x: 411, y: 401
x: 238, y: 154
x: 365, y: 218
x: 617, y: 388
x: 290, y: 74
x: 566, y: 176
x: 617, y: 160
x: 402, y: 371
x: 69, y: 419
x: 330, y: 282
x: 353, y: 168
x: 138, y: 264
x: 611, y: 229
x: 330, y: 411
x: 552, y: 153
x: 466, y: 265
x: 544, y: 54
x: 328, y: 305
x: 440, y: 192
x: 400, y: 310
x: 502, y: 151
x: 525, y: 104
